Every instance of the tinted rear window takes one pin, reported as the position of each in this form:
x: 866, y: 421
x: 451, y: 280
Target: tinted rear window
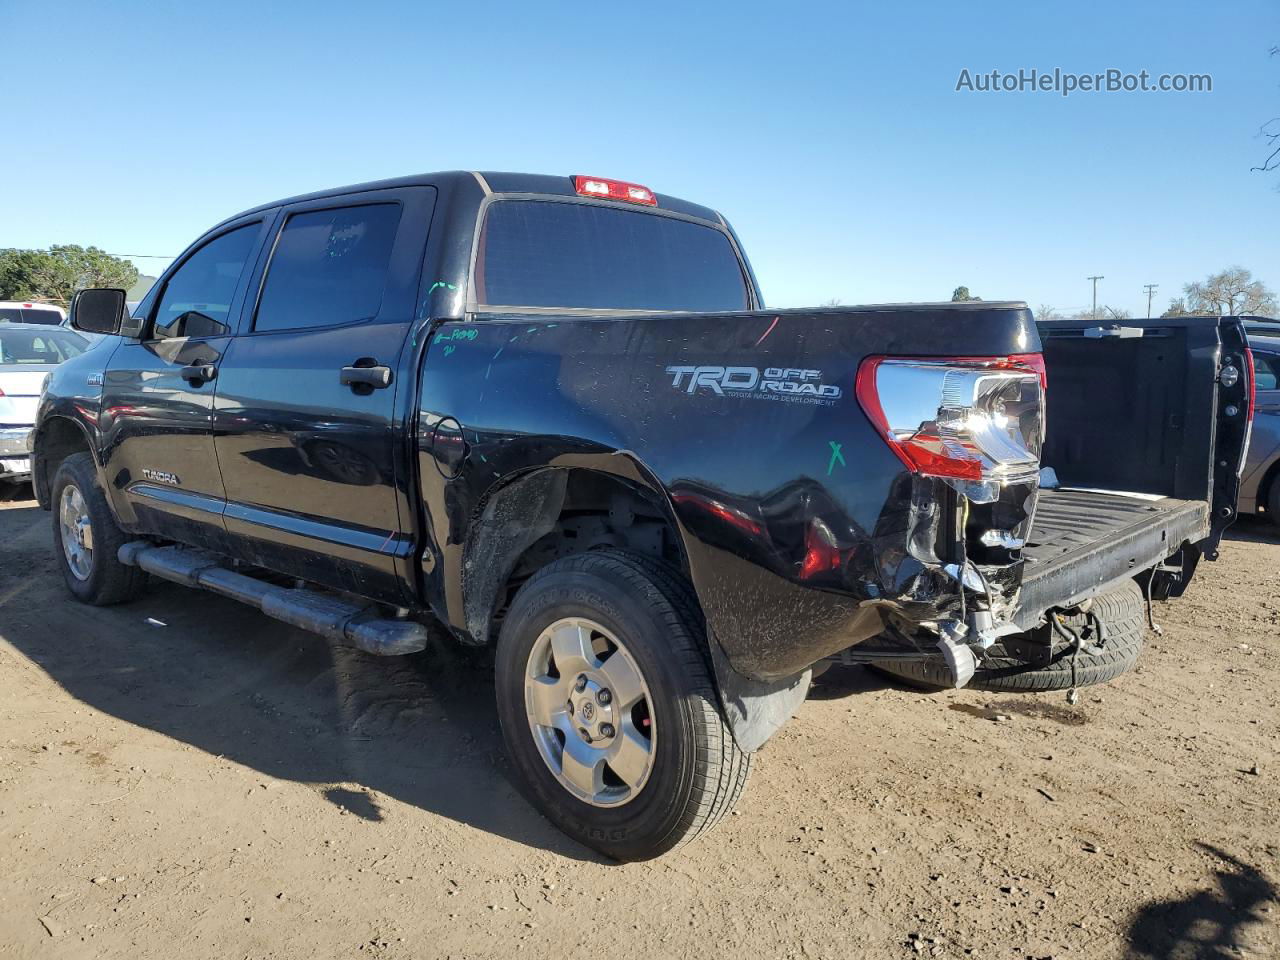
x: 542, y: 254
x: 33, y: 315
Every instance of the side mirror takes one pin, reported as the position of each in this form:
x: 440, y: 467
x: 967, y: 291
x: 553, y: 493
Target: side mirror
x: 98, y: 311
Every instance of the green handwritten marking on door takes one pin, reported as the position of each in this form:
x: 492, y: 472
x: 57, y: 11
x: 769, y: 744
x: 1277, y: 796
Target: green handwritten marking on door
x: 440, y: 283
x: 836, y: 456
x: 457, y: 333
x: 450, y: 348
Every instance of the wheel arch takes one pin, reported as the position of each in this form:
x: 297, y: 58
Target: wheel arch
x: 523, y: 526
x: 55, y: 439
x: 1270, y: 478
x: 549, y: 512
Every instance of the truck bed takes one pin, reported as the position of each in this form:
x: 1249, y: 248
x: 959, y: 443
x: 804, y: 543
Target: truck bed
x: 1083, y: 540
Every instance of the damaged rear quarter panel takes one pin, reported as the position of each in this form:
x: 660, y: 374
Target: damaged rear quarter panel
x: 693, y: 406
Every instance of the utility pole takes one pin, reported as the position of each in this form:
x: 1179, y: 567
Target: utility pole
x: 1151, y: 289
x: 1095, y: 295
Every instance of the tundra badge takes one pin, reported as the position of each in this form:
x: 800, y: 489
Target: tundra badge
x: 161, y: 476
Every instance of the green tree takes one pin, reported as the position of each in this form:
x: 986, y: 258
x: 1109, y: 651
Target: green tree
x: 60, y: 272
x: 962, y: 295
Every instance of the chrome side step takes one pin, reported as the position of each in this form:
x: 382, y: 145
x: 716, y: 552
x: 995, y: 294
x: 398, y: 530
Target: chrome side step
x: 332, y: 618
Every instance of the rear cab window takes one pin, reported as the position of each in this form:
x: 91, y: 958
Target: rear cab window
x: 30, y: 315
x: 573, y: 255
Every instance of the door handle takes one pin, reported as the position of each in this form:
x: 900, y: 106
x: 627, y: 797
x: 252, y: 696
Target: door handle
x: 198, y: 373
x: 374, y: 377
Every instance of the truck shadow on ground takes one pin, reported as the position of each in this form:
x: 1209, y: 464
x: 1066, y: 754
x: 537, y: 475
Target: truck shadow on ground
x: 229, y: 681
x: 1250, y: 529
x: 841, y: 681
x: 1209, y: 924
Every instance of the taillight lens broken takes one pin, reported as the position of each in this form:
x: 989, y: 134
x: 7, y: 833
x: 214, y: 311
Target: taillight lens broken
x: 978, y: 420
x: 821, y: 553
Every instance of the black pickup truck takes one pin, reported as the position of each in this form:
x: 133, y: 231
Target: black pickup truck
x: 553, y: 415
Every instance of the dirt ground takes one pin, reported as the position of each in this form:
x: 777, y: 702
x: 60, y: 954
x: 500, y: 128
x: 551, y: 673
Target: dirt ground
x: 182, y: 777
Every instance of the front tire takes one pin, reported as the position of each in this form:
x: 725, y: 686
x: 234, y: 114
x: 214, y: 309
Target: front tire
x: 86, y: 539
x: 608, y: 709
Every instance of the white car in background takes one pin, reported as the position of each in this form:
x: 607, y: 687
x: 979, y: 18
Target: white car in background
x: 20, y: 311
x: 28, y: 353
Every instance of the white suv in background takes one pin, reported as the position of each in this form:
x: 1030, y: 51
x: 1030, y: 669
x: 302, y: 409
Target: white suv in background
x: 19, y: 311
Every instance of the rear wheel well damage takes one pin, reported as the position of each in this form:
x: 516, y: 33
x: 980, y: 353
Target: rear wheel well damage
x: 58, y: 439
x: 548, y: 515
x: 558, y: 512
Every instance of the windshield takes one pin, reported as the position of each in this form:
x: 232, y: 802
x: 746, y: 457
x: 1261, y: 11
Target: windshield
x: 33, y: 346
x: 30, y: 315
x: 536, y: 253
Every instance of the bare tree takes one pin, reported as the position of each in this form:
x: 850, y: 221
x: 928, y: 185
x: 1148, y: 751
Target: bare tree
x: 833, y: 302
x: 1233, y: 292
x: 1270, y: 132
x: 1104, y: 313
x: 1046, y: 312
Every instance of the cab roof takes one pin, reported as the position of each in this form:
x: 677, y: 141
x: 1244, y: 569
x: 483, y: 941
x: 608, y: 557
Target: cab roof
x: 495, y: 181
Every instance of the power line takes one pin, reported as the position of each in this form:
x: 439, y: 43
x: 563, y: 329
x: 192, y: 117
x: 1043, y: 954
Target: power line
x: 146, y: 256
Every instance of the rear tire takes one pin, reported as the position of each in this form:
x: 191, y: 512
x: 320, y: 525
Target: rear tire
x: 86, y: 539
x: 1273, y: 502
x: 682, y: 771
x: 1123, y: 616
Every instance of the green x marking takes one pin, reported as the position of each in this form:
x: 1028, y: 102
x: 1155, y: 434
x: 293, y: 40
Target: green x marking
x: 836, y: 455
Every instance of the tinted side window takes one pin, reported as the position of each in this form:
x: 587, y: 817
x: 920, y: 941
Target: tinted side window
x: 329, y: 267
x: 541, y: 254
x: 1266, y: 371
x: 197, y: 298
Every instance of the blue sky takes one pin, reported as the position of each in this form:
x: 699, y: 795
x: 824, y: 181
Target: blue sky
x: 831, y: 135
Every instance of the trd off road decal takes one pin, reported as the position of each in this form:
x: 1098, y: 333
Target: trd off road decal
x: 787, y: 384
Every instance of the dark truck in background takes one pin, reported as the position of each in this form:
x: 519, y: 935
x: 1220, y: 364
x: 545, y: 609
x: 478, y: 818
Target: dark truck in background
x: 553, y: 415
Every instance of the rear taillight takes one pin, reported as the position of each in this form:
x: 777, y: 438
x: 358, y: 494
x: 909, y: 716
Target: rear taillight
x: 614, y: 190
x: 971, y: 419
